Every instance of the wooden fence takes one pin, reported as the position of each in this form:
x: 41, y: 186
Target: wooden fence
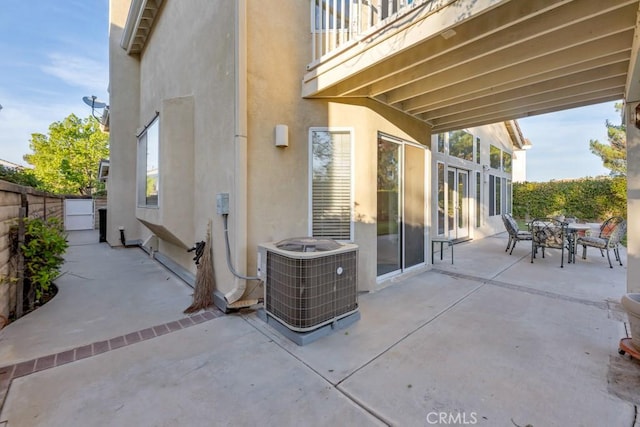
x: 18, y: 202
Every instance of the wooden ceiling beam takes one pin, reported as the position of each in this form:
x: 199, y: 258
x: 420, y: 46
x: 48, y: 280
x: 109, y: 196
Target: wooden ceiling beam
x: 501, y: 113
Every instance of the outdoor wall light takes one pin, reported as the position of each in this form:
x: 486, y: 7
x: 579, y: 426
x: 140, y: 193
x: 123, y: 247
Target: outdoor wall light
x: 637, y: 116
x: 282, y: 136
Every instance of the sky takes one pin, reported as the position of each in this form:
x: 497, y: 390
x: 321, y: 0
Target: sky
x: 561, y: 142
x: 54, y: 52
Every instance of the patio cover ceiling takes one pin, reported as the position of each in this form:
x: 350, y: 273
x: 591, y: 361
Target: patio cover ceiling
x: 484, y: 61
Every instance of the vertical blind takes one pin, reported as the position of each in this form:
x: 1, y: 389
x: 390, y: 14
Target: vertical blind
x: 331, y: 184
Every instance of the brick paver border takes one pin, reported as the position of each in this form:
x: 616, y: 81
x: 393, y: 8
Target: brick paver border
x: 21, y: 369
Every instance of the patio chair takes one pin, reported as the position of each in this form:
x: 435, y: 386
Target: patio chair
x: 515, y: 234
x: 612, y: 231
x: 548, y: 233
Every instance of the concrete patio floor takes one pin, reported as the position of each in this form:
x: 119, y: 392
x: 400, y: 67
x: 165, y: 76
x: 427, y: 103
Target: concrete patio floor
x: 492, y: 340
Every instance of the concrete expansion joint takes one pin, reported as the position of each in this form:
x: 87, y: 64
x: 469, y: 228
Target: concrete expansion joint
x: 365, y: 407
x: 20, y: 369
x: 410, y: 333
x: 335, y: 386
x: 598, y: 304
x: 379, y: 355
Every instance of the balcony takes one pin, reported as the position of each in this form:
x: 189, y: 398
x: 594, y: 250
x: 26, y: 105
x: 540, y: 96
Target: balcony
x: 456, y: 64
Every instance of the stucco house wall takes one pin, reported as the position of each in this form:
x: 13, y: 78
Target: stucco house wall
x: 220, y: 79
x: 498, y: 136
x: 124, y: 97
x: 278, y: 178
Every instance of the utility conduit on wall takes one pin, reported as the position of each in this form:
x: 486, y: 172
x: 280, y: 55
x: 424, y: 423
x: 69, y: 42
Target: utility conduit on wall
x: 240, y: 147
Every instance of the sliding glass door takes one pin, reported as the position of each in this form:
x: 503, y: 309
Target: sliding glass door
x: 388, y: 212
x: 401, y: 206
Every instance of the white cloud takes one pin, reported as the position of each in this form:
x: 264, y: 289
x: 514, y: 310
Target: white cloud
x: 78, y: 71
x: 19, y: 119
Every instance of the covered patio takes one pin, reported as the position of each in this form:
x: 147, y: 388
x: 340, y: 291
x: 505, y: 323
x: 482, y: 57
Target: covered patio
x: 461, y: 64
x: 491, y: 338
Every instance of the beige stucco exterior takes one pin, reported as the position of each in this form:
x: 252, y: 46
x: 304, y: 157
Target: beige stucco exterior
x: 125, y: 70
x: 189, y: 78
x: 221, y: 76
x: 633, y: 199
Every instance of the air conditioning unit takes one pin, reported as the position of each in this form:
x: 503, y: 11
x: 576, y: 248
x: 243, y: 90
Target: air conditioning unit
x: 309, y: 282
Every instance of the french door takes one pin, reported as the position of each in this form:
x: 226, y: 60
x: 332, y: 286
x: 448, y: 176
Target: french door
x: 401, y: 206
x: 457, y: 203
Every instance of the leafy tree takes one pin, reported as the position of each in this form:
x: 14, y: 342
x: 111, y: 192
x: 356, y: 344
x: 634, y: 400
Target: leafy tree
x: 24, y: 177
x: 66, y: 160
x: 613, y: 154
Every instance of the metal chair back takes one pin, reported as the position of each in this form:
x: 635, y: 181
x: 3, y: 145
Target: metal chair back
x: 548, y: 233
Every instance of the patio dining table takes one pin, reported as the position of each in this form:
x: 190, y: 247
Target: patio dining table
x: 573, y: 228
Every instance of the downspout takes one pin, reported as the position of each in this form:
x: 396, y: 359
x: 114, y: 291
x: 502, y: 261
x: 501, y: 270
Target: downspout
x: 240, y: 150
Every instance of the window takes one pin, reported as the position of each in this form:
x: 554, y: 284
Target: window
x: 441, y: 143
x: 508, y: 197
x: 478, y: 193
x: 331, y: 184
x: 492, y: 195
x: 478, y: 150
x: 498, y: 195
x: 506, y: 162
x: 494, y: 157
x: 461, y: 145
x: 440, y: 198
x: 504, y: 195
x: 496, y: 199
x: 148, y: 165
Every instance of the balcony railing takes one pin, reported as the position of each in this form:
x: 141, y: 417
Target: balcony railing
x: 335, y: 24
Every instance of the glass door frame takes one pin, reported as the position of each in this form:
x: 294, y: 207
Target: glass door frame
x: 402, y: 237
x: 462, y: 213
x: 453, y: 213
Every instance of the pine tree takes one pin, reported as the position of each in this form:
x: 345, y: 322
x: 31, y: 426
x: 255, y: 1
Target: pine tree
x: 613, y: 154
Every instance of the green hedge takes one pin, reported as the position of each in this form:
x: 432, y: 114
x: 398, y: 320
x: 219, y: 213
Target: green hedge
x: 588, y: 199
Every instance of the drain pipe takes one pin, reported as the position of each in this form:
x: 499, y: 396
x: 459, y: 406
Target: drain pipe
x: 240, y: 150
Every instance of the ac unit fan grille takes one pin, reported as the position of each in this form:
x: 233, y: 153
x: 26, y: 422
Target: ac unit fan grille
x: 306, y: 293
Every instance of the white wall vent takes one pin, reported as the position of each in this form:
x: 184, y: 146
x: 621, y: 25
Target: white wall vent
x: 309, y: 282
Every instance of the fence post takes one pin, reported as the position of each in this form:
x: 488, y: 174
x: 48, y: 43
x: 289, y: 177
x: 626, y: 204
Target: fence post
x: 20, y: 285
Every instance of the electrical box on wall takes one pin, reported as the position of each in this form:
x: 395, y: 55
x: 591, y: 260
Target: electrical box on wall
x: 222, y: 203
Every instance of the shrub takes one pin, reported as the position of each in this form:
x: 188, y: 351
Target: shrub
x: 44, y: 244
x: 20, y: 176
x: 588, y: 199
